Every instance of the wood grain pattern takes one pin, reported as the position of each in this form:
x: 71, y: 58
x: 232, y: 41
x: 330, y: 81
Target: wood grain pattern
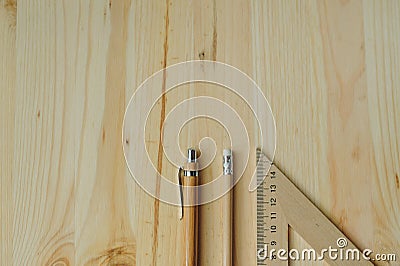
x: 7, y: 101
x: 68, y: 69
x: 382, y: 62
x: 44, y: 159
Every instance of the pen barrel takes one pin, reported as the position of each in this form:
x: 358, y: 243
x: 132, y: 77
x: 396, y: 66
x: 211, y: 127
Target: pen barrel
x: 190, y: 216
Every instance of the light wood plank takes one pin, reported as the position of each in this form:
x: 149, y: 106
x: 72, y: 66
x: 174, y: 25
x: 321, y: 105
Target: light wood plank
x: 104, y: 233
x: 382, y: 39
x: 8, y: 18
x: 44, y: 154
x: 288, y: 64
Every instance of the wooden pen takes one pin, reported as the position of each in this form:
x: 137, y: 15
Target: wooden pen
x: 189, y: 215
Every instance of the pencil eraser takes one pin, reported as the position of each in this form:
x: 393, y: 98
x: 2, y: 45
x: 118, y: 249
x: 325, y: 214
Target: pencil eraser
x: 227, y: 152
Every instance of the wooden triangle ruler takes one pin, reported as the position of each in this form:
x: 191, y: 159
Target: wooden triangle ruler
x: 281, y: 204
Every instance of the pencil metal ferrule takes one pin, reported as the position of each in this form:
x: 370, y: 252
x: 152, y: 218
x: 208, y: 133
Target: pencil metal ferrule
x: 227, y: 165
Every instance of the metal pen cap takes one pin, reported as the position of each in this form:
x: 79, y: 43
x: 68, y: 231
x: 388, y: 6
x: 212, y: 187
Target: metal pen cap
x: 192, y: 155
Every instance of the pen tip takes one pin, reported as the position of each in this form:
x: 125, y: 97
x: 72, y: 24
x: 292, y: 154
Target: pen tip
x: 192, y: 155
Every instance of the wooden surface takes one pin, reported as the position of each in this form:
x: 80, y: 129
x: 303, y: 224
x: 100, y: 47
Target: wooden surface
x: 329, y: 69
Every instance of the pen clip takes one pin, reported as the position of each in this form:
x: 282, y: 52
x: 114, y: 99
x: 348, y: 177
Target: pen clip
x: 180, y: 171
